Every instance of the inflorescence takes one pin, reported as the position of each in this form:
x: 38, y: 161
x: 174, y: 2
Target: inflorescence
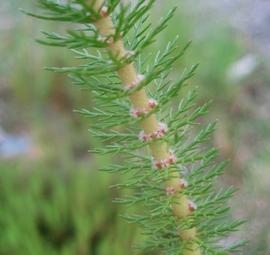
x: 183, y: 212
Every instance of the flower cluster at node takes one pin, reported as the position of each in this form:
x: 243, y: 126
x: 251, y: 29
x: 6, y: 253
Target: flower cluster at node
x: 104, y: 11
x: 170, y: 191
x: 136, y: 82
x: 160, y: 164
x: 183, y: 183
x: 155, y: 135
x: 105, y: 39
x: 152, y: 103
x: 192, y: 206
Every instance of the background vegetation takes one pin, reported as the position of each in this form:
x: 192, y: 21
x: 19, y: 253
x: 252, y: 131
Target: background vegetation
x: 53, y: 200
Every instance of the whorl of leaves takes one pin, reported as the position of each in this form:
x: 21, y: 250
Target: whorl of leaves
x: 113, y: 124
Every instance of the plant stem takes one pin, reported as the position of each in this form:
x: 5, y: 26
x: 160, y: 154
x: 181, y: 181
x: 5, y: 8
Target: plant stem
x: 159, y: 150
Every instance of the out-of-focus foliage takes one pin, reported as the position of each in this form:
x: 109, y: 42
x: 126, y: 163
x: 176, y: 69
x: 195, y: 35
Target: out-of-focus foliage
x: 48, y: 212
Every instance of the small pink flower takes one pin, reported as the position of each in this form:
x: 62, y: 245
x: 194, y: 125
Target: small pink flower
x: 170, y: 191
x: 183, y: 183
x: 159, y: 164
x: 135, y: 113
x: 137, y: 81
x: 163, y: 128
x: 161, y: 132
x: 157, y: 134
x: 165, y: 162
x: 192, y: 206
x: 152, y: 103
x: 171, y: 159
x: 104, y: 12
x: 154, y: 135
x: 144, y: 137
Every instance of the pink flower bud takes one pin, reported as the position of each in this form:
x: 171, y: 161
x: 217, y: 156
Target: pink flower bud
x: 144, y: 137
x: 159, y: 164
x: 153, y: 135
x: 163, y: 128
x: 152, y: 103
x: 170, y: 191
x: 192, y: 206
x: 171, y: 159
x: 135, y: 113
x: 183, y: 183
x: 137, y: 81
x: 104, y: 11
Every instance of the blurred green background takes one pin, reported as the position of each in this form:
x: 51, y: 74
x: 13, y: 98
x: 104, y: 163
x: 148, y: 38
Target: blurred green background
x: 52, y: 198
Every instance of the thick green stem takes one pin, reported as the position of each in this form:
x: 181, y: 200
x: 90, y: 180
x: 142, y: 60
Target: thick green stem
x: 159, y: 150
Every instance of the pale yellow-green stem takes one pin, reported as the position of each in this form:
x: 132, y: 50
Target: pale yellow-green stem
x: 159, y: 150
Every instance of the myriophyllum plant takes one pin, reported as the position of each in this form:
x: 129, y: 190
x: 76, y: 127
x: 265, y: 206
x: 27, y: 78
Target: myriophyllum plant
x: 167, y: 171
